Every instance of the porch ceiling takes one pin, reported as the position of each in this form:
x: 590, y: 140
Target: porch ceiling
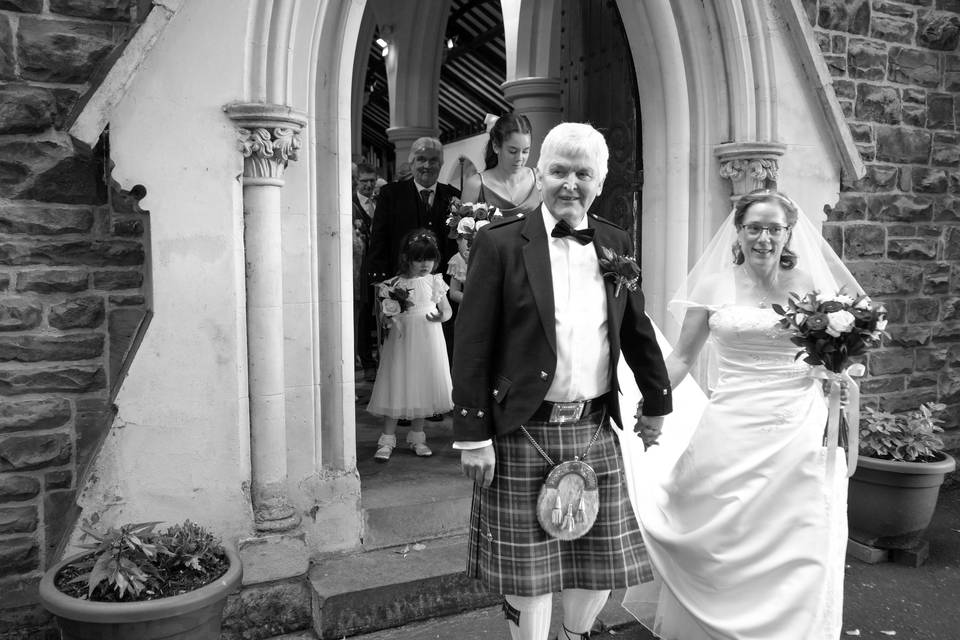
x: 470, y: 76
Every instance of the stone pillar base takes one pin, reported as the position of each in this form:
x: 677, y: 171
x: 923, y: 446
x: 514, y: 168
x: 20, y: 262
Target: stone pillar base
x: 274, y: 557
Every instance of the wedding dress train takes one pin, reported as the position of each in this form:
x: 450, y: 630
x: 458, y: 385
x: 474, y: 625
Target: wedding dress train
x: 744, y: 524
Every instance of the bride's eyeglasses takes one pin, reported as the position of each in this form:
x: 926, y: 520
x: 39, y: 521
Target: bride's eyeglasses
x: 754, y: 230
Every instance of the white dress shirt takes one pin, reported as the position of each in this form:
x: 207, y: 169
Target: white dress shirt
x: 432, y: 190
x: 367, y: 203
x: 580, y: 313
x: 580, y: 317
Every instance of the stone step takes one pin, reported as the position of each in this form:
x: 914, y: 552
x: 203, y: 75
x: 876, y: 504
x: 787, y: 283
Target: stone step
x: 392, y: 516
x: 394, y: 586
x: 613, y: 623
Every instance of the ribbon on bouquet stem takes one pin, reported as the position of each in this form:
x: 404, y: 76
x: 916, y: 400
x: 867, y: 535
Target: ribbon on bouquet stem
x: 852, y: 412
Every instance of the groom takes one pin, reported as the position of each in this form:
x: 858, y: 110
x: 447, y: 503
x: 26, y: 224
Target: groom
x: 537, y: 343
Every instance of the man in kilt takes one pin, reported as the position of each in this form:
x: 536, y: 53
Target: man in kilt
x: 544, y: 318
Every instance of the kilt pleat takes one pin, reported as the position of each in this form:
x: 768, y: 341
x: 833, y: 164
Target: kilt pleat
x: 508, y: 550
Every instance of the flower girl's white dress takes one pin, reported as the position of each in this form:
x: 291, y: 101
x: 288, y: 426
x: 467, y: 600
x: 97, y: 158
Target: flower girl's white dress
x: 413, y: 380
x: 747, y: 528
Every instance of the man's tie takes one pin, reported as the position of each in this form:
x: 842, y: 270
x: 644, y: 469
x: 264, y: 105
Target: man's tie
x: 564, y: 230
x: 425, y: 196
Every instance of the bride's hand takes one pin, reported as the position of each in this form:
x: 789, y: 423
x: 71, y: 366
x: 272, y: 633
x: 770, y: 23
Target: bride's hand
x: 649, y: 428
x: 844, y: 392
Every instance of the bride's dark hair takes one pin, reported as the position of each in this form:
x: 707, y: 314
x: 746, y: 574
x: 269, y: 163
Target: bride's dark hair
x: 505, y: 125
x: 788, y: 259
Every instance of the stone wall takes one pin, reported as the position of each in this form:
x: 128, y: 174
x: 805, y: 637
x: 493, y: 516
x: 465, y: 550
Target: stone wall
x: 896, y: 71
x: 73, y: 282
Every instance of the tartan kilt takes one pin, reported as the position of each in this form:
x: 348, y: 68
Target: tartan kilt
x: 510, y: 553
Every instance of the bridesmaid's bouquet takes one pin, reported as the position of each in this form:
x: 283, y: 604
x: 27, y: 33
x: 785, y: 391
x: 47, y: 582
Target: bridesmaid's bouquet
x: 465, y: 218
x: 393, y: 300
x: 830, y: 330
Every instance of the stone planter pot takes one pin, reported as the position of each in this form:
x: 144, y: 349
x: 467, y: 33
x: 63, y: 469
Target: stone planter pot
x: 890, y: 503
x: 189, y: 616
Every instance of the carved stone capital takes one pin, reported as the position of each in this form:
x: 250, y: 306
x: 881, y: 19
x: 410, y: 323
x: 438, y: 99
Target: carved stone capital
x: 269, y: 138
x: 750, y: 165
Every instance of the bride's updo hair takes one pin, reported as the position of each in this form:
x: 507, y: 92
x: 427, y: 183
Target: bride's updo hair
x: 788, y: 259
x: 503, y: 128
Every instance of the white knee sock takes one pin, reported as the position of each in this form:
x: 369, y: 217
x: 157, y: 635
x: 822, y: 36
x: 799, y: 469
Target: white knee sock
x: 581, y: 607
x: 534, y: 616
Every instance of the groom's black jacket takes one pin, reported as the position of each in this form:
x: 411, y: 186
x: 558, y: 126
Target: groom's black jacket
x: 505, y: 353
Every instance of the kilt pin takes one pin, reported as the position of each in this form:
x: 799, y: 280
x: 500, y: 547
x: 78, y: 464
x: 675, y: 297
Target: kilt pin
x: 504, y: 361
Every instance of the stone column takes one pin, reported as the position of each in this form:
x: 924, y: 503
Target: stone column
x: 749, y: 165
x: 404, y: 137
x: 269, y: 139
x: 539, y: 100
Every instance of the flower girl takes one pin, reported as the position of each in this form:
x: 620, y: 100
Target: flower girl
x: 413, y: 380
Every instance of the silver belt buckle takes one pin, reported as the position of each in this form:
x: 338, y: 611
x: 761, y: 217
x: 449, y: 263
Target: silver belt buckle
x: 563, y: 412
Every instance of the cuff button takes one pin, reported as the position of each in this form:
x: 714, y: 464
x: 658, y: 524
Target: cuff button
x: 464, y: 412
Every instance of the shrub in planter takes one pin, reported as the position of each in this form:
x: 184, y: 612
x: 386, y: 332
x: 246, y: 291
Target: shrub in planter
x: 135, y: 582
x: 894, y: 492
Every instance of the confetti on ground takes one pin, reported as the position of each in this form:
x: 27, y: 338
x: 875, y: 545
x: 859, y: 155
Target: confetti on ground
x: 888, y: 633
x: 419, y: 546
x: 852, y: 632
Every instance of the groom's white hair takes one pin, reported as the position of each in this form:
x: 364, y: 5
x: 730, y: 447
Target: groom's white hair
x: 571, y: 139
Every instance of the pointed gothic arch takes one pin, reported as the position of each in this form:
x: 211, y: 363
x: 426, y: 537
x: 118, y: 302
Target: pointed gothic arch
x: 708, y: 76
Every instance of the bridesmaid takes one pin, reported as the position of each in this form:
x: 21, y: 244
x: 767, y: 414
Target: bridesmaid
x: 506, y: 183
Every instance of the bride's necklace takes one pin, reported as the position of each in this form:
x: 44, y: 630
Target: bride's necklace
x: 761, y: 292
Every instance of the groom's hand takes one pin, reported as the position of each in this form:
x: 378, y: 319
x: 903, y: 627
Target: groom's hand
x: 478, y: 464
x: 649, y: 428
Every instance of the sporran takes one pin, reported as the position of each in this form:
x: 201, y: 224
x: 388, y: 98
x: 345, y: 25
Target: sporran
x: 569, y: 499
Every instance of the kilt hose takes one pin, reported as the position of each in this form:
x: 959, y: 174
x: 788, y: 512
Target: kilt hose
x: 510, y: 553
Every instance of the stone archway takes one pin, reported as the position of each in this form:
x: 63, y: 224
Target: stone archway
x: 708, y: 76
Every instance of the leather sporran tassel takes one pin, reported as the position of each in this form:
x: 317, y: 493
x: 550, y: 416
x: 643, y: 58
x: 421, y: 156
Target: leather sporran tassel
x: 557, y: 515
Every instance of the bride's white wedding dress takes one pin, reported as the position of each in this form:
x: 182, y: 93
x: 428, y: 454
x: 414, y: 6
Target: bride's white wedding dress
x: 747, y: 529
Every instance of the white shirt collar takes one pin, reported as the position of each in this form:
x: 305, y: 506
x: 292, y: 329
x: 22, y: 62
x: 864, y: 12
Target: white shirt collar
x: 549, y: 222
x: 420, y: 187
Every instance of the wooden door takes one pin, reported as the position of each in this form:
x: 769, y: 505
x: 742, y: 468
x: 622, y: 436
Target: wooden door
x: 599, y: 86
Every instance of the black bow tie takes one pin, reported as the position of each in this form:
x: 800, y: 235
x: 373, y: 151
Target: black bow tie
x: 564, y: 230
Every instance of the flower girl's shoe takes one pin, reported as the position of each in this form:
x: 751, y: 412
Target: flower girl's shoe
x: 385, y: 446
x: 418, y: 442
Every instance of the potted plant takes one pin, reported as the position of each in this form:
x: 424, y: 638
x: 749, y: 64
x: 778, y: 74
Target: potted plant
x: 894, y: 491
x: 133, y: 582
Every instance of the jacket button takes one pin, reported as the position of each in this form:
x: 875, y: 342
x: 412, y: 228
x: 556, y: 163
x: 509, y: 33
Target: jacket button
x: 464, y: 412
x: 496, y: 392
x: 479, y: 414
x: 544, y: 375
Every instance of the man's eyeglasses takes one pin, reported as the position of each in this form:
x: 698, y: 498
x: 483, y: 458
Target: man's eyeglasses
x: 754, y: 230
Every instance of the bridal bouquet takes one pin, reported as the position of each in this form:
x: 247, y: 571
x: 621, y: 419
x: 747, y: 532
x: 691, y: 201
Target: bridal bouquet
x: 468, y: 216
x: 832, y: 329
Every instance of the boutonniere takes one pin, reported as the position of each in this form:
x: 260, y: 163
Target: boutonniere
x: 623, y: 270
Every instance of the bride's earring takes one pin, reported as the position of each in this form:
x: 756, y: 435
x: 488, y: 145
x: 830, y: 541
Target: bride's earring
x: 738, y: 256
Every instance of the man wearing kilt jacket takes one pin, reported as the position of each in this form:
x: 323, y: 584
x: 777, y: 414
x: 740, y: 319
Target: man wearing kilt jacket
x: 537, y: 343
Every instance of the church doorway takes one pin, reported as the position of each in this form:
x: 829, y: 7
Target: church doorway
x: 594, y: 58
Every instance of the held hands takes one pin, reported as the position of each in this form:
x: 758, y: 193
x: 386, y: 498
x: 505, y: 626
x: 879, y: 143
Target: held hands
x: 648, y: 428
x: 435, y: 316
x: 478, y: 464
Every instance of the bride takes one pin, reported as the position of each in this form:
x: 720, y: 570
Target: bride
x: 748, y: 527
